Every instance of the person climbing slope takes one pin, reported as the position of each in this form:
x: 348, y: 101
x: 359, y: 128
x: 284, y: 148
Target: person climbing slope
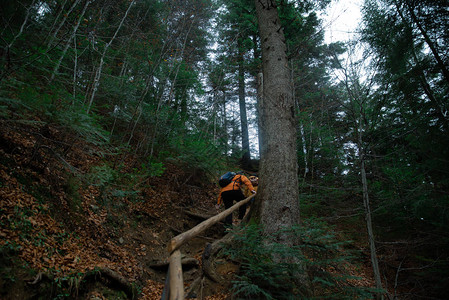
x: 231, y: 191
x: 255, y: 182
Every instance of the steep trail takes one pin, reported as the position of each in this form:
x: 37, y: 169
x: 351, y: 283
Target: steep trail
x: 61, y: 222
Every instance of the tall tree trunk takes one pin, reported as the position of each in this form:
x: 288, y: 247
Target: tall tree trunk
x: 180, y: 58
x: 257, y: 73
x: 214, y: 114
x: 304, y: 150
x: 242, y: 105
x: 278, y: 199
x: 277, y: 203
x: 75, y: 67
x: 358, y: 99
x: 259, y: 105
x: 225, y: 122
x: 369, y: 223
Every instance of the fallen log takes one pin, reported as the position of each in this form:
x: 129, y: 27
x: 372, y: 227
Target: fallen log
x: 179, y: 240
x: 176, y: 281
x: 176, y: 285
x: 198, y: 236
x: 187, y: 262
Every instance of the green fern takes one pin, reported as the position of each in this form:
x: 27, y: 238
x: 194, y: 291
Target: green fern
x: 261, y: 277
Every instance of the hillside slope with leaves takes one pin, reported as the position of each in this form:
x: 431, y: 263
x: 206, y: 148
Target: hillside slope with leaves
x: 75, y: 219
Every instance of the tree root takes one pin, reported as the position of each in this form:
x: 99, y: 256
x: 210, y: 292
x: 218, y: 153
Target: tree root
x: 105, y: 275
x: 40, y: 277
x: 208, y: 269
x: 209, y: 255
x: 191, y: 291
x: 116, y: 281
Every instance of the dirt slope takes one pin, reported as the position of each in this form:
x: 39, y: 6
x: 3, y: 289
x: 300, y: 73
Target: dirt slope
x: 69, y: 231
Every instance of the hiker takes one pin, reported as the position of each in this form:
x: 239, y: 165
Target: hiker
x: 255, y: 182
x: 246, y: 191
x: 232, y: 192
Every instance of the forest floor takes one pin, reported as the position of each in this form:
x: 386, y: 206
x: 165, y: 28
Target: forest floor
x: 72, y: 228
x: 92, y: 235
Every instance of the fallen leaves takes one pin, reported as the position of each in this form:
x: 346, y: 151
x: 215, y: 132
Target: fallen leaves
x: 57, y: 237
x: 152, y: 290
x: 44, y: 244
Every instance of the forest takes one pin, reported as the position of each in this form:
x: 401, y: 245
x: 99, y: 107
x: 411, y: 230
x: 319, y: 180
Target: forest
x: 118, y: 117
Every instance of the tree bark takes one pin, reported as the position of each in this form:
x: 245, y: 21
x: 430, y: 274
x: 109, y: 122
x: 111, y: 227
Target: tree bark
x: 277, y: 203
x: 369, y: 223
x: 176, y: 280
x: 246, y: 156
x: 278, y: 196
x: 259, y: 105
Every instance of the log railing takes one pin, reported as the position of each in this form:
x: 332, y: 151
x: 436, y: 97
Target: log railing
x: 174, y: 286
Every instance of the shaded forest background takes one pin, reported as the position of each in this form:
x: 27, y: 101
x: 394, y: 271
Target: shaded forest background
x: 115, y: 114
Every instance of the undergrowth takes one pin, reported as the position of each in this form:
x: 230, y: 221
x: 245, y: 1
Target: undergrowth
x: 316, y: 255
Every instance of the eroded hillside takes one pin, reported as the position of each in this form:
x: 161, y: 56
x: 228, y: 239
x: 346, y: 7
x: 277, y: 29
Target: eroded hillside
x: 79, y: 222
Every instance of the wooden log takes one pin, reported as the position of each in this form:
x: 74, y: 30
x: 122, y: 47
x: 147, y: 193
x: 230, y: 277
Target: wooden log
x: 166, y: 290
x: 187, y: 262
x: 198, y: 236
x: 176, y: 281
x: 182, y: 238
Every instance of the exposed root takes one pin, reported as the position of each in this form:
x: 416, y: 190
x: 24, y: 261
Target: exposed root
x: 105, y: 275
x: 115, y: 280
x: 209, y: 255
x: 208, y: 267
x: 194, y: 286
x: 39, y: 278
